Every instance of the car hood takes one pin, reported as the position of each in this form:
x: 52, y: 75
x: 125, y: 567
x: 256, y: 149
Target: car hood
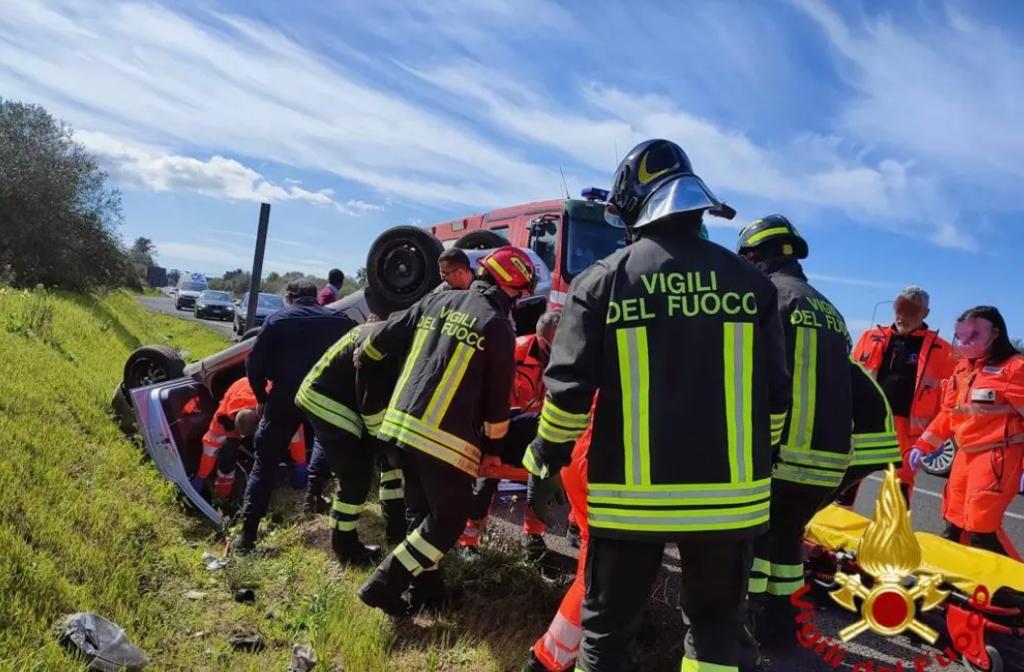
x: 222, y: 304
x: 191, y: 295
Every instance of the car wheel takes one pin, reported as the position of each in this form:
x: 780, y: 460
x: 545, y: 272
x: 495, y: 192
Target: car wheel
x: 940, y: 462
x: 401, y: 268
x: 152, y: 364
x: 481, y: 239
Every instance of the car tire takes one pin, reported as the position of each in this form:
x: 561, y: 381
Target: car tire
x: 152, y: 364
x: 124, y: 411
x: 995, y: 662
x: 401, y: 268
x: 941, y: 464
x: 481, y: 239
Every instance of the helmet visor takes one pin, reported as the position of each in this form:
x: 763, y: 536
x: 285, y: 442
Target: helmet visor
x: 686, y: 193
x: 611, y: 215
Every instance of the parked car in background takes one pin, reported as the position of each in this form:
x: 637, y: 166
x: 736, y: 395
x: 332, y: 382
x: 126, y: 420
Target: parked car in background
x: 189, y: 289
x: 267, y: 305
x: 215, y: 305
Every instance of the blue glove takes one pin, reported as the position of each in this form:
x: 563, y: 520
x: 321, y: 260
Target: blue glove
x: 1020, y: 488
x: 300, y: 474
x: 914, y: 459
x: 198, y: 484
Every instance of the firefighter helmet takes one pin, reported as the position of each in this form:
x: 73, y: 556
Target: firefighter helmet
x: 774, y: 229
x: 655, y: 180
x: 510, y: 268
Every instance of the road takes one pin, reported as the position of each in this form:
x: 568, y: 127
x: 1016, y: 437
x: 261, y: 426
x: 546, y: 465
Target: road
x: 663, y: 625
x: 165, y: 304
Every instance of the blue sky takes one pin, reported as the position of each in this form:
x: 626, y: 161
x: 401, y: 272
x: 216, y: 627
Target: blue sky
x: 889, y: 133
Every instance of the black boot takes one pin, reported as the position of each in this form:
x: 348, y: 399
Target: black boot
x: 351, y: 551
x: 428, y: 592
x: 953, y: 532
x: 534, y: 547
x: 573, y: 533
x: 383, y: 592
x: 988, y: 541
x: 776, y: 624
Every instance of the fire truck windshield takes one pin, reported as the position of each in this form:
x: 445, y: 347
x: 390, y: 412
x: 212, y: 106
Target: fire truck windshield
x: 589, y: 238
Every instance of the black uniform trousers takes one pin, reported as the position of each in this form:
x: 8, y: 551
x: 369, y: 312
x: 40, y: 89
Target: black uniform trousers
x: 281, y: 419
x: 792, y: 507
x: 619, y: 578
x: 319, y: 469
x: 350, y: 458
x: 437, y: 500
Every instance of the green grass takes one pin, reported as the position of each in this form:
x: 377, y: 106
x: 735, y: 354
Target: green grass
x: 87, y: 525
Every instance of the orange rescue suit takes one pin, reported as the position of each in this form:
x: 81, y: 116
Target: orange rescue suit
x: 528, y: 388
x: 935, y: 363
x: 983, y: 412
x: 238, y: 398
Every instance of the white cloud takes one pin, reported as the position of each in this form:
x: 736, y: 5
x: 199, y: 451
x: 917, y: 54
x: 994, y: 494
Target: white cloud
x: 144, y: 167
x: 855, y: 282
x: 355, y: 207
x: 208, y: 254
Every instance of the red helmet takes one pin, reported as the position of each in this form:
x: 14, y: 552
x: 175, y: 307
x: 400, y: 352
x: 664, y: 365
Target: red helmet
x: 511, y: 268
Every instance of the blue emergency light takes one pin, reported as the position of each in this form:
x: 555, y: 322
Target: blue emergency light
x: 595, y: 194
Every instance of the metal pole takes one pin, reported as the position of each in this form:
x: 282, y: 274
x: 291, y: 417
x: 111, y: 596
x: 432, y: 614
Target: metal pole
x: 880, y: 303
x: 257, y: 266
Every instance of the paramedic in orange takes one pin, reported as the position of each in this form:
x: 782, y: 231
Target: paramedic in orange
x: 909, y: 361
x: 236, y: 420
x: 556, y: 650
x: 983, y: 412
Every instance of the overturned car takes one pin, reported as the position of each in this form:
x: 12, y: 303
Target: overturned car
x: 171, y: 403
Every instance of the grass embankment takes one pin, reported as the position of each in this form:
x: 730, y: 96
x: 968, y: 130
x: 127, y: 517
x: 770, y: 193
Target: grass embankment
x: 87, y: 525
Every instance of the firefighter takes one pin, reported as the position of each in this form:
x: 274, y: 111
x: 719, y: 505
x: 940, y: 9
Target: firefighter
x: 814, y: 438
x: 910, y: 361
x: 234, y: 422
x: 332, y: 401
x: 289, y: 344
x: 685, y: 342
x: 982, y: 409
x: 532, y: 353
x: 449, y: 414
x: 875, y: 440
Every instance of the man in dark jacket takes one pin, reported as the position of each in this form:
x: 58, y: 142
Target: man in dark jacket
x: 289, y: 344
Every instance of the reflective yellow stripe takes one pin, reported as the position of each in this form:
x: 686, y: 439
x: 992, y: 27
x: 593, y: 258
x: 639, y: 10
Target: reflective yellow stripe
x: 817, y: 458
x: 449, y: 384
x: 493, y: 264
x: 805, y: 376
x: 738, y: 355
x: 435, y: 434
x: 391, y: 474
x: 807, y: 475
x: 691, y: 665
x: 387, y: 494
x: 349, y: 509
x: 778, y: 424
x: 761, y: 565
x: 328, y: 410
x: 670, y: 520
x: 784, y: 588
x: 446, y: 453
x: 329, y: 356
x: 496, y: 430
x: 372, y: 352
x: 372, y: 422
x: 533, y: 465
x: 410, y: 364
x: 767, y: 233
x: 634, y: 377
x: 557, y: 435
x: 429, y: 551
x: 878, y: 456
x: 556, y: 415
x: 698, y: 494
x: 403, y: 555
x: 787, y: 571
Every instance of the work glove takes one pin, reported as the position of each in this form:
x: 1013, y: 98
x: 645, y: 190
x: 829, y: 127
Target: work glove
x: 914, y: 459
x: 198, y: 484
x: 543, y: 493
x: 300, y: 475
x: 1020, y: 488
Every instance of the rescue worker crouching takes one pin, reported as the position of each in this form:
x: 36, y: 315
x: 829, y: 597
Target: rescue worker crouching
x: 909, y: 361
x: 531, y: 356
x: 814, y: 436
x: 449, y: 415
x: 331, y: 398
x: 983, y: 412
x: 290, y: 342
x: 684, y: 340
x: 235, y: 422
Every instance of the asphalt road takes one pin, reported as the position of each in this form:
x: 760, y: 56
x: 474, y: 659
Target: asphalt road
x: 663, y: 625
x: 165, y: 304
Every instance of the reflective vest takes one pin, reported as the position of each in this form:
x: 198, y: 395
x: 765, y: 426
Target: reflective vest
x: 528, y: 391
x: 451, y: 401
x: 934, y: 364
x: 815, y: 441
x: 874, y: 439
x: 237, y: 398
x: 982, y: 407
x: 685, y: 342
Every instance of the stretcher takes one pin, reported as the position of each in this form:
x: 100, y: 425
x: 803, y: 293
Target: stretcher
x: 986, y: 590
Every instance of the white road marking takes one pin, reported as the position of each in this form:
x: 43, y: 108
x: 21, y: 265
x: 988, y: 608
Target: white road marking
x: 1008, y: 514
